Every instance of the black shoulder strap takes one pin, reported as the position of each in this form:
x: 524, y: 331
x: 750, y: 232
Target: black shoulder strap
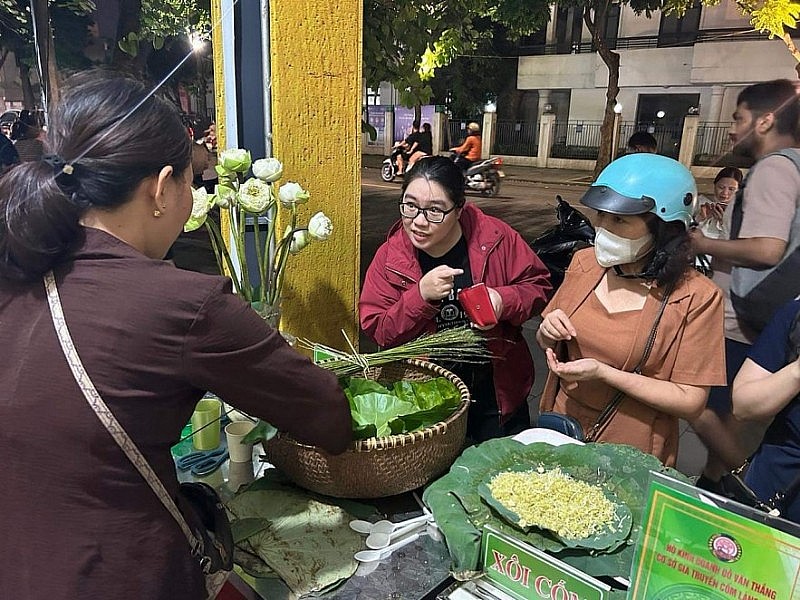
x: 736, y: 218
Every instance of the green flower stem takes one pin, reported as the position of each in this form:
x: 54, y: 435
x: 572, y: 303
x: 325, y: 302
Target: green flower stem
x: 259, y: 258
x: 282, y: 257
x: 215, y: 247
x: 240, y: 249
x: 268, y: 273
x: 220, y: 243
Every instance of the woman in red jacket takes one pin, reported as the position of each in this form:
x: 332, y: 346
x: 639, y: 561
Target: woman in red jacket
x: 440, y: 246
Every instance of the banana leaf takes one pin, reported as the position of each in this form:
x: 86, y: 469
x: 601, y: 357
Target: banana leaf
x: 307, y: 543
x: 461, y: 513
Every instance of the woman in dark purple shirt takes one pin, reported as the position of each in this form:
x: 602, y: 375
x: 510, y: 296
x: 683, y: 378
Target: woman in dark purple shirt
x: 79, y: 522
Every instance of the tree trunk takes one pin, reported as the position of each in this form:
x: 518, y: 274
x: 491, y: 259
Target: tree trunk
x: 28, y: 99
x: 418, y: 113
x: 611, y: 60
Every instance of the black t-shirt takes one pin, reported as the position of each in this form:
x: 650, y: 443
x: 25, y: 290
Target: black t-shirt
x: 478, y: 377
x: 450, y: 314
x: 425, y: 142
x: 413, y: 137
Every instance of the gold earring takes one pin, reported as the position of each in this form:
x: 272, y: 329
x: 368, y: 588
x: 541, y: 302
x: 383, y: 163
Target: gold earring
x: 156, y: 213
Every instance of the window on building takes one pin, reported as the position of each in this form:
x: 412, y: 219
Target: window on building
x: 611, y: 29
x: 680, y: 31
x: 569, y: 26
x: 373, y: 97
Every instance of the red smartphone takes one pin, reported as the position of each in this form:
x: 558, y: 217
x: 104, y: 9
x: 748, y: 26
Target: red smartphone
x: 476, y: 303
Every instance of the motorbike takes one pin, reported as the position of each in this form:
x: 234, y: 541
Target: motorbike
x: 556, y: 245
x: 484, y: 176
x: 389, y: 166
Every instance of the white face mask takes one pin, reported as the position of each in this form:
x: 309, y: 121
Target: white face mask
x: 613, y: 250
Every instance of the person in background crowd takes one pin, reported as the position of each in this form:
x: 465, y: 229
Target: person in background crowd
x: 210, y: 137
x: 440, y: 246
x: 101, y: 212
x: 470, y: 150
x: 409, y: 145
x: 767, y: 387
x: 5, y: 128
x: 765, y: 121
x: 709, y: 216
x: 26, y: 133
x: 642, y: 141
x: 424, y: 145
x: 595, y: 329
x: 8, y: 154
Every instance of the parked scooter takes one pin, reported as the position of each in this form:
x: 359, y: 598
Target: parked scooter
x: 556, y: 246
x: 484, y: 176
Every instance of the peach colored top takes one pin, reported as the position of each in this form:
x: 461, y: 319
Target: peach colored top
x: 689, y: 349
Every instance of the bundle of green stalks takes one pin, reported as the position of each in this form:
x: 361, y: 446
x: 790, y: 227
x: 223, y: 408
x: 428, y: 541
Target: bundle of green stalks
x: 461, y: 344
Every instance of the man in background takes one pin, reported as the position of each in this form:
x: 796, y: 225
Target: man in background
x: 765, y: 122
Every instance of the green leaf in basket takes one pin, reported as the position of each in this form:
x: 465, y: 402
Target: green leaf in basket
x: 378, y: 409
x: 610, y: 537
x: 408, y: 406
x: 358, y: 386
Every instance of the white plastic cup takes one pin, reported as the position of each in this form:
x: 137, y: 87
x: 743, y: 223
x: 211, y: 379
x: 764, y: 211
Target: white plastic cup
x: 234, y: 433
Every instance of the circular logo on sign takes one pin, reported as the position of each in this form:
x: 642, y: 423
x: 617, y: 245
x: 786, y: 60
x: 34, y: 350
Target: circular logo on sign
x: 724, y: 547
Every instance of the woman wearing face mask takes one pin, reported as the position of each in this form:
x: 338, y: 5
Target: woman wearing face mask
x: 595, y: 329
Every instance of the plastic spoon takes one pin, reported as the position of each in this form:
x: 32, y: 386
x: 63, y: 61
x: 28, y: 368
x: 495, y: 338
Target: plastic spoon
x: 377, y: 540
x: 360, y: 526
x: 384, y: 526
x: 372, y: 555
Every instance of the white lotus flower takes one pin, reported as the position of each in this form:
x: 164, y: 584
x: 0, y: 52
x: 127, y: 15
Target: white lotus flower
x: 291, y: 194
x: 234, y: 160
x: 202, y: 201
x: 255, y: 196
x: 320, y: 227
x: 268, y: 169
x: 225, y: 196
x: 300, y: 239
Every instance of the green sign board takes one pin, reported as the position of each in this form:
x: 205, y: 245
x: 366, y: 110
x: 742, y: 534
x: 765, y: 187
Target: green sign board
x: 527, y: 573
x: 690, y: 549
x: 320, y: 355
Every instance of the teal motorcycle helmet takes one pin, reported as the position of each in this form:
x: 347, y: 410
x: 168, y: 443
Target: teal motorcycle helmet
x: 645, y: 183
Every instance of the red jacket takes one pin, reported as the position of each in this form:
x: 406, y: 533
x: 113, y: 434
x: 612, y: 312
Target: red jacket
x: 392, y: 311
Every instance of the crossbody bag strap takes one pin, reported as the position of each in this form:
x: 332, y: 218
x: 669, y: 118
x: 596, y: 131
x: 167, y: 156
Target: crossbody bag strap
x: 610, y: 409
x: 105, y: 415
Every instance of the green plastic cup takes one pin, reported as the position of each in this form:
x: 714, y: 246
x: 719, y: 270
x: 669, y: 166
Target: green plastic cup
x: 205, y: 424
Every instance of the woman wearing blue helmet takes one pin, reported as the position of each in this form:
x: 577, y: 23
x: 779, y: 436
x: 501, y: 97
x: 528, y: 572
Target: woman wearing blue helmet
x: 636, y: 280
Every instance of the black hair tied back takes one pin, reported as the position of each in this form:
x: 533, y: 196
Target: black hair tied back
x: 67, y: 179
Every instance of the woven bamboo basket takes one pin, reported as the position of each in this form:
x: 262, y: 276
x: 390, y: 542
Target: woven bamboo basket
x: 378, y: 467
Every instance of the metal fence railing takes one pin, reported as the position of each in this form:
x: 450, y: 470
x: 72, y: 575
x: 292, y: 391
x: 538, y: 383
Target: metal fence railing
x: 456, y: 131
x: 516, y: 138
x: 576, y: 139
x: 712, y: 142
x: 668, y: 137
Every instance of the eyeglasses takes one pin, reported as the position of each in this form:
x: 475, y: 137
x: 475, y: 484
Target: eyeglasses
x: 433, y: 214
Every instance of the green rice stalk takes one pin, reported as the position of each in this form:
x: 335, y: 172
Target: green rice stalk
x: 461, y: 344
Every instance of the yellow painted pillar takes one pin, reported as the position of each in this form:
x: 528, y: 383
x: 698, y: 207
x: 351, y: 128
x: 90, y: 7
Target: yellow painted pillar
x: 315, y: 50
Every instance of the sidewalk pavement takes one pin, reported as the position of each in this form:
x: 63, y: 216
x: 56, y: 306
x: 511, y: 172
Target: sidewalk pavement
x: 524, y: 174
